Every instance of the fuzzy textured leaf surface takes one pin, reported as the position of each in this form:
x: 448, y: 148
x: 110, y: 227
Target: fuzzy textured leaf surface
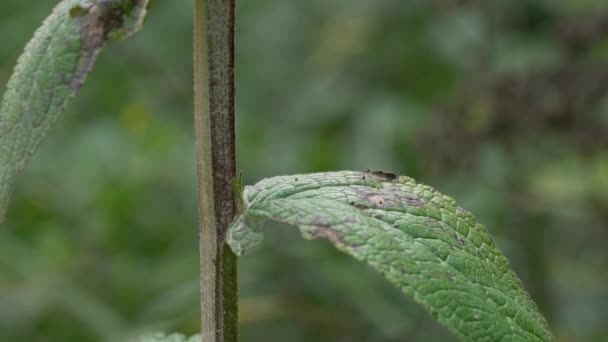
x: 419, y: 239
x: 50, y: 72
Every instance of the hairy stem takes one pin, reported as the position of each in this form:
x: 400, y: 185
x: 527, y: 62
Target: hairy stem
x: 215, y: 149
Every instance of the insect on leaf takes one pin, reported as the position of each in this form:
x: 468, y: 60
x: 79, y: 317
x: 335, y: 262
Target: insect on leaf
x: 50, y: 72
x: 417, y: 238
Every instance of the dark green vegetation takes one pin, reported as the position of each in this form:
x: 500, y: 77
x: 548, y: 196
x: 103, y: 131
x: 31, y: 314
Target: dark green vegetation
x: 500, y: 107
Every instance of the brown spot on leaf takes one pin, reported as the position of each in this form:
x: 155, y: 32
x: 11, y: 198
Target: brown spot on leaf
x: 413, y: 201
x: 459, y: 239
x: 96, y: 22
x: 381, y: 175
x: 376, y: 200
x: 331, y: 234
x: 319, y: 221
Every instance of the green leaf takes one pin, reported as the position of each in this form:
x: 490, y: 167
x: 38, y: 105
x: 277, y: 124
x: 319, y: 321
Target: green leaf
x: 419, y: 239
x: 50, y: 72
x: 160, y: 337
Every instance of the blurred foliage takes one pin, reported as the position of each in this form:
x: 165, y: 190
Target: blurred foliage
x: 500, y: 104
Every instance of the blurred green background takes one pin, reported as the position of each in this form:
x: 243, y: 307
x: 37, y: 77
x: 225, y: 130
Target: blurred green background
x: 500, y: 104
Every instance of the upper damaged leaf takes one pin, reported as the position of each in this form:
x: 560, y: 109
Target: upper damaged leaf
x: 50, y: 72
x: 416, y: 237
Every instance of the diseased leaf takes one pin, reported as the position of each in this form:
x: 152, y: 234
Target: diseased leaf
x: 416, y: 237
x: 50, y: 72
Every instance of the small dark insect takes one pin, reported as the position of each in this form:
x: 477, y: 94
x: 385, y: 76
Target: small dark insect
x: 385, y: 176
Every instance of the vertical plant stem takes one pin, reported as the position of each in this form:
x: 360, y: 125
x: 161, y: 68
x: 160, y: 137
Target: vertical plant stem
x: 215, y: 149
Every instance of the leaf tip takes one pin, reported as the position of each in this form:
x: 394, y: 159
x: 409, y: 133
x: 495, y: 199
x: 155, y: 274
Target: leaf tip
x: 243, y: 236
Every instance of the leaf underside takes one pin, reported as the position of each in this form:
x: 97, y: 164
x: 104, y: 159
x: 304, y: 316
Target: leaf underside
x: 419, y: 239
x: 50, y: 72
